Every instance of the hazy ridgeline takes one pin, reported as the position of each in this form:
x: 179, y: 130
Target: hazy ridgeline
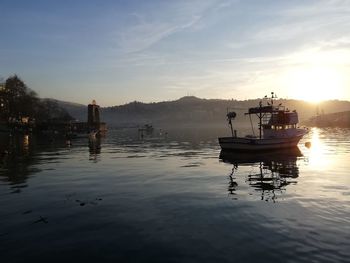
x: 338, y: 119
x: 188, y: 111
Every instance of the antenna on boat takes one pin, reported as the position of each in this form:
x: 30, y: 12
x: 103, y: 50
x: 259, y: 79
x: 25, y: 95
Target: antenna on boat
x: 230, y: 116
x: 273, y: 96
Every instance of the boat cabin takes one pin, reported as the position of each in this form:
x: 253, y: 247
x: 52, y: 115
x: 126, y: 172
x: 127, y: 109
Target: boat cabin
x: 275, y: 121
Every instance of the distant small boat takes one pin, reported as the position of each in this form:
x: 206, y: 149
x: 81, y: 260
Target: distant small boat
x: 147, y: 128
x: 277, y: 129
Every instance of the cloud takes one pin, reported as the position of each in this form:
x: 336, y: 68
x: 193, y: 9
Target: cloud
x: 145, y: 34
x: 149, y: 28
x: 317, y: 20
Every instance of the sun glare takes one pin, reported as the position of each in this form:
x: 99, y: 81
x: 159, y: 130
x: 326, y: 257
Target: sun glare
x: 317, y: 158
x: 315, y: 84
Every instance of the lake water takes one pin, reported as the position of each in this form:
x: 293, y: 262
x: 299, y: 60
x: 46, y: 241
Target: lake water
x: 173, y: 198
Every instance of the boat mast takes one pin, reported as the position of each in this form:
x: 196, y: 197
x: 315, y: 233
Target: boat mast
x: 230, y: 116
x: 260, y: 117
x: 273, y: 96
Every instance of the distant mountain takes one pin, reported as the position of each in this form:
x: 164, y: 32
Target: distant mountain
x: 76, y: 110
x: 338, y: 119
x: 186, y: 110
x: 192, y: 110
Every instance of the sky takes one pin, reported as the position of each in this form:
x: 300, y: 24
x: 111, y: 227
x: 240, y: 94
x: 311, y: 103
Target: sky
x: 121, y: 51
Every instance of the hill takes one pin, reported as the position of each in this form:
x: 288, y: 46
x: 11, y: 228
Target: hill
x: 192, y: 110
x: 338, y: 119
x: 76, y: 110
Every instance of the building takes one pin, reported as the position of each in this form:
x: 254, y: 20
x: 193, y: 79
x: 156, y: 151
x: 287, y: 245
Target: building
x: 94, y: 122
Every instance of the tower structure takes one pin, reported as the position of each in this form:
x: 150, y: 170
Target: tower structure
x: 93, y: 115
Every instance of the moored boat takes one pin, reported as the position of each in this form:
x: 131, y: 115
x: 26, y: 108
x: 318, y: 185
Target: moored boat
x: 277, y: 129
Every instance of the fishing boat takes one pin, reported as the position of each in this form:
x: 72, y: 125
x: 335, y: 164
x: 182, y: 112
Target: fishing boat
x: 277, y: 129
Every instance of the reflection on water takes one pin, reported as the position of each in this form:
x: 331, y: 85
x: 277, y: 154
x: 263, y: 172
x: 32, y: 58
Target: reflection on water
x: 26, y: 143
x: 95, y: 148
x: 169, y: 198
x: 317, y: 158
x: 270, y: 173
x: 16, y: 160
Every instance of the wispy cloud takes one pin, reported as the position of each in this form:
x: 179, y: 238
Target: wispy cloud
x: 145, y: 34
x: 147, y: 29
x: 291, y: 27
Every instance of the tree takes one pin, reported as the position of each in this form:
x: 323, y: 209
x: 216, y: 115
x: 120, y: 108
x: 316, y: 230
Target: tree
x: 18, y: 101
x: 49, y: 110
x: 3, y: 108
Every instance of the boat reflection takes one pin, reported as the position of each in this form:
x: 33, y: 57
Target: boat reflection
x: 266, y: 173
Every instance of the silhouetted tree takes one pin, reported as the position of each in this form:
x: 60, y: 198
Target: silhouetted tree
x: 15, y: 98
x: 17, y: 101
x: 49, y: 110
x: 3, y: 108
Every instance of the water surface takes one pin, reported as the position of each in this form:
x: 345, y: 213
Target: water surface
x: 173, y: 197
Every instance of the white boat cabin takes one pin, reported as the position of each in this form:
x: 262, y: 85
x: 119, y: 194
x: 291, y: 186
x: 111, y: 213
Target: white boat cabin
x: 277, y: 122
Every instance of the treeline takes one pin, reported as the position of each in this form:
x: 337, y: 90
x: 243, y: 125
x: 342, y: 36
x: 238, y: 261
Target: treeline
x: 338, y: 119
x: 192, y: 110
x: 18, y: 103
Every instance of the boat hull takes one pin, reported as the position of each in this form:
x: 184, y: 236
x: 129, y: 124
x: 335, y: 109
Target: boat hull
x: 253, y: 144
x: 251, y: 157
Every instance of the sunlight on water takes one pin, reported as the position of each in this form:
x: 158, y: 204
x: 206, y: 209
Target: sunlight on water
x: 317, y: 158
x: 176, y: 197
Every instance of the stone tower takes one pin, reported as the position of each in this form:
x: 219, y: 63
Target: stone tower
x: 93, y: 115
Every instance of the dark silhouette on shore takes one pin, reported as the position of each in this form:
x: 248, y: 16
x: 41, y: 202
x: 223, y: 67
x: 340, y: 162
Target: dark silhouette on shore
x: 22, y: 109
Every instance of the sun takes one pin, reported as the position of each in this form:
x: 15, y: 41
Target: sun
x: 315, y: 84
